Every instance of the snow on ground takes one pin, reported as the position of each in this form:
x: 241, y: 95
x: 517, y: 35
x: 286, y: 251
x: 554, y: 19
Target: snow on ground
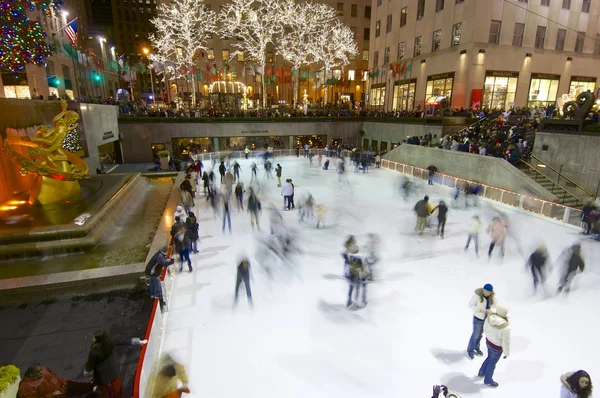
x: 301, y: 341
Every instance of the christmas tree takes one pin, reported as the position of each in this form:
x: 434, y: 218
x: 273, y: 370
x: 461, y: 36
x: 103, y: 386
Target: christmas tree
x: 72, y: 141
x: 23, y: 41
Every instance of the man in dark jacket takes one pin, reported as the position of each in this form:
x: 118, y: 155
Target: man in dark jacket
x: 422, y: 210
x: 103, y: 363
x: 243, y: 274
x: 182, y: 242
x: 442, y: 213
x: 236, y: 170
x: 575, y: 263
x: 278, y: 170
x: 222, y: 170
x: 154, y: 270
x: 431, y: 170
x: 192, y: 229
x: 537, y: 262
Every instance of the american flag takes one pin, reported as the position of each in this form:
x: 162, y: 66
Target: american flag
x: 71, y: 31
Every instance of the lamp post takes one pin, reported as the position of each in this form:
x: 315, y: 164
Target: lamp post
x: 147, y: 52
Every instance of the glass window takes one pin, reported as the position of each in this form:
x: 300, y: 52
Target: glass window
x: 566, y: 4
x: 225, y: 54
x: 460, y: 1
x: 439, y: 88
x: 401, y: 48
x: 351, y: 74
x: 403, y: 16
x: 367, y: 12
x: 518, y: 34
x: 365, y: 75
x: 404, y: 97
x: 585, y: 7
x: 540, y: 36
x: 420, y: 10
x: 50, y: 68
x: 439, y: 5
x: 437, y: 40
x: 21, y: 91
x: 375, y: 58
x: 456, y: 33
x: 210, y: 53
x: 377, y: 97
x: 388, y: 24
x: 499, y: 92
x: 560, y: 39
x: 379, y: 2
x: 495, y: 27
x: 365, y: 56
x: 542, y: 92
x: 240, y: 56
x: 386, y: 56
x: 366, y: 34
x: 354, y: 10
x: 579, y: 42
x: 377, y: 28
x: 577, y: 88
x: 597, y: 46
x: 545, y: 3
x: 417, y: 50
x: 340, y: 9
x: 270, y: 58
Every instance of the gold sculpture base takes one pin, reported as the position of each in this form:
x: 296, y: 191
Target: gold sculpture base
x: 47, y: 190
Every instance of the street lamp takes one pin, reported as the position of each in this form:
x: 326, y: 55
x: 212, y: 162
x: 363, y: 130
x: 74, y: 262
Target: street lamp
x: 153, y: 98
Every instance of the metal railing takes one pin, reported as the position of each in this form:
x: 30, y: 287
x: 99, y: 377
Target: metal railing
x: 561, y: 175
x: 254, y: 154
x: 556, y: 211
x: 565, y: 191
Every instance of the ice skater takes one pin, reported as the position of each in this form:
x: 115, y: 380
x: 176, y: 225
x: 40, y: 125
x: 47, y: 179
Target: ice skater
x: 431, y: 170
x: 236, y: 171
x: 320, y: 214
x: 239, y: 195
x: 287, y: 192
x: 482, y: 304
x: 181, y: 238
x: 357, y: 274
x: 442, y: 213
x: 166, y: 382
x: 422, y: 210
x: 253, y: 207
x: 497, y: 333
x: 537, y: 263
x: 226, y: 213
x: 253, y: 168
x: 576, y: 385
x: 243, y: 275
x: 574, y: 264
x: 498, y: 233
x: 278, y: 171
x: 474, y: 230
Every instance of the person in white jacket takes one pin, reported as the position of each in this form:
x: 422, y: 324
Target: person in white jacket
x: 474, y: 229
x: 287, y: 191
x: 497, y: 336
x: 576, y: 385
x: 482, y: 304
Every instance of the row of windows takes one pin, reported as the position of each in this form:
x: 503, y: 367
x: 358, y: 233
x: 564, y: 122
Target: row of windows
x: 439, y: 6
x: 353, y: 10
x: 540, y: 37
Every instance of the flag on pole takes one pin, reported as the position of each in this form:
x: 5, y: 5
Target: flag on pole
x: 121, y: 60
x: 71, y: 31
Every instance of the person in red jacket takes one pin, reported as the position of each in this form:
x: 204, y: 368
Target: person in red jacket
x: 39, y: 381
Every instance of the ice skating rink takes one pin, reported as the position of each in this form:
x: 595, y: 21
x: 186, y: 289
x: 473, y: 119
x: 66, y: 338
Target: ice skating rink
x: 300, y: 340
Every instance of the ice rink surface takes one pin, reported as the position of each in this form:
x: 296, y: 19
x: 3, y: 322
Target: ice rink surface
x: 300, y: 340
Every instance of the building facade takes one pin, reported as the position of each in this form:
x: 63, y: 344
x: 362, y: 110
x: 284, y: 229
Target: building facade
x: 482, y: 53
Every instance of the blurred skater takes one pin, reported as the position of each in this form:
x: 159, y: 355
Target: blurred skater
x: 422, y: 210
x: 474, y: 230
x: 482, y: 304
x: 239, y: 195
x: 243, y: 275
x: 431, y: 170
x: 226, y: 213
x: 253, y: 168
x: 497, y: 338
x: 236, y: 171
x: 253, y: 208
x: 181, y: 238
x: 320, y: 214
x: 442, y: 212
x: 358, y: 275
x: 278, y: 171
x: 537, y: 263
x: 166, y: 383
x: 498, y: 233
x: 326, y: 165
x: 574, y: 264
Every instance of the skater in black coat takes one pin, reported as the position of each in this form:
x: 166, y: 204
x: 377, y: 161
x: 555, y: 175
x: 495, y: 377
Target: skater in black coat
x: 575, y: 263
x: 243, y: 275
x: 442, y: 212
x: 222, y: 170
x: 537, y: 263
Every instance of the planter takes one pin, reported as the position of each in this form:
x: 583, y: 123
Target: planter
x: 164, y: 164
x: 11, y: 390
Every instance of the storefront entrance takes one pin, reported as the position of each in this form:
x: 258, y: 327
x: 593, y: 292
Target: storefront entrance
x: 581, y: 84
x: 315, y: 141
x: 404, y: 95
x: 542, y: 90
x: 377, y: 97
x: 110, y: 154
x: 438, y: 88
x: 499, y: 89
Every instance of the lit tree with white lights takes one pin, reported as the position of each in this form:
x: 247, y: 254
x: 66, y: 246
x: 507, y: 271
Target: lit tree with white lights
x: 332, y: 46
x: 182, y: 30
x: 302, y: 23
x: 256, y: 24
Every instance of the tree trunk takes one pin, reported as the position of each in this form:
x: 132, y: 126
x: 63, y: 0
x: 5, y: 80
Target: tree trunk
x: 262, y: 63
x: 193, y: 91
x: 325, y: 88
x: 296, y: 82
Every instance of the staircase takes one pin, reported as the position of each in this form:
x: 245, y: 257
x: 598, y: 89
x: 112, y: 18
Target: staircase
x: 565, y: 197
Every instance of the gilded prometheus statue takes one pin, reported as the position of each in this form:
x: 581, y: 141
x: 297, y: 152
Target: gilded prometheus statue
x: 58, y: 169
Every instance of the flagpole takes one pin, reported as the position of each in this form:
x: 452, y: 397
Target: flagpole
x: 58, y: 31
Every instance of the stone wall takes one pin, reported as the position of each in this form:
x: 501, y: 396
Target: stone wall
x: 578, y: 154
x: 395, y: 132
x: 484, y: 169
x: 137, y: 138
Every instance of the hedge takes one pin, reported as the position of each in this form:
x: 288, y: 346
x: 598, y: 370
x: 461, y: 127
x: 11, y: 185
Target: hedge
x: 592, y: 128
x: 401, y: 120
x: 8, y: 375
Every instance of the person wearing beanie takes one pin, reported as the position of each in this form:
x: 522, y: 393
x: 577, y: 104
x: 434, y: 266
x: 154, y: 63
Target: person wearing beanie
x: 482, y: 304
x: 497, y: 333
x: 576, y: 385
x: 422, y: 210
x: 180, y: 212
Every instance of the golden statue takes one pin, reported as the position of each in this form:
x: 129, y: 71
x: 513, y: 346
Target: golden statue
x: 59, y: 171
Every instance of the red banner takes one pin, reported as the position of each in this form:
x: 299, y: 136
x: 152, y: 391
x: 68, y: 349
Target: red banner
x: 476, y: 95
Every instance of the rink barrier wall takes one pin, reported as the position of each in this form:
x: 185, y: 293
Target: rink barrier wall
x: 556, y: 212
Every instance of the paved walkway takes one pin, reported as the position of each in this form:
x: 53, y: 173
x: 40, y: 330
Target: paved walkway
x: 57, y: 333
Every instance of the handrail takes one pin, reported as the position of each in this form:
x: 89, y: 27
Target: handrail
x: 552, y: 181
x: 562, y: 175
